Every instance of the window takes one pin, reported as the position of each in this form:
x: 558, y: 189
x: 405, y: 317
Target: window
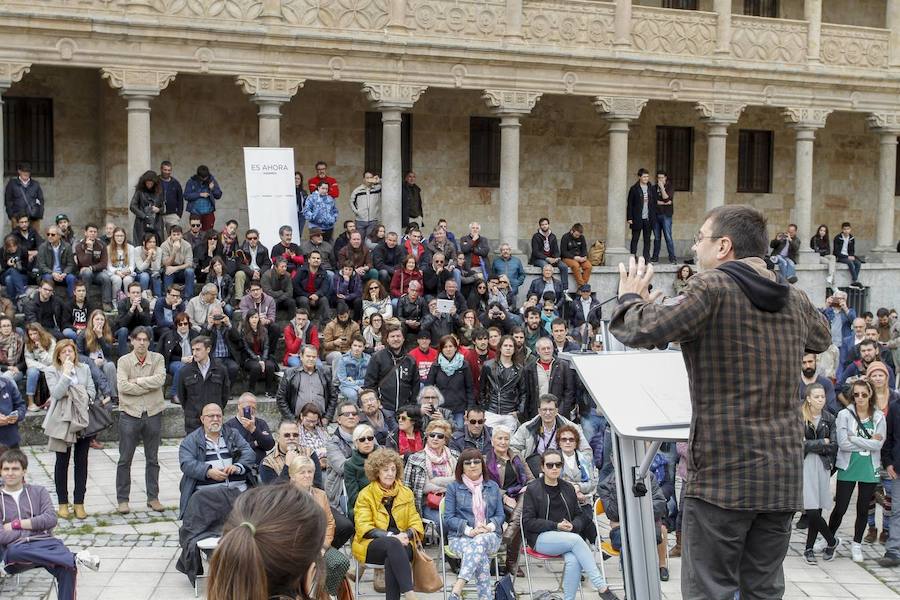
x: 761, y: 8
x: 374, y: 140
x: 484, y: 152
x: 675, y: 155
x: 28, y: 135
x: 755, y: 161
x: 680, y: 4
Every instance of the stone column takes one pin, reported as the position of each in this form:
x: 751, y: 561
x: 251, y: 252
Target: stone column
x: 510, y: 106
x: 619, y: 111
x: 887, y: 126
x: 622, y: 25
x: 723, y: 26
x: 269, y: 93
x: 812, y: 13
x: 513, y: 20
x: 717, y: 116
x: 892, y: 18
x: 397, y: 21
x: 392, y: 99
x: 10, y: 73
x: 805, y: 122
x: 138, y: 87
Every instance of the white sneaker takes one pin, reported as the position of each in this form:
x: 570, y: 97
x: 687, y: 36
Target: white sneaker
x: 829, y: 280
x: 856, y: 552
x: 86, y: 559
x: 819, y: 545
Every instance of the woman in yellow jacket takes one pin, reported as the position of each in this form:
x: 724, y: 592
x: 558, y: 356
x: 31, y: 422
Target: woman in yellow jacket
x: 386, y: 522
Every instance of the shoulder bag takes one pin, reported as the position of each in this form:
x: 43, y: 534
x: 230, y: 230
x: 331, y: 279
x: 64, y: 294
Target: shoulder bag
x: 426, y: 578
x: 100, y: 418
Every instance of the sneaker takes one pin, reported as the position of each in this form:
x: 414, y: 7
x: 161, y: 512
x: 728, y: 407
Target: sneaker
x: 453, y: 596
x: 828, y: 554
x: 856, y: 554
x: 607, y: 594
x: 820, y: 545
x: 673, y: 260
x: 871, y: 535
x: 663, y: 573
x: 889, y: 560
x: 810, y: 556
x: 86, y: 559
x: 829, y: 280
x: 803, y: 522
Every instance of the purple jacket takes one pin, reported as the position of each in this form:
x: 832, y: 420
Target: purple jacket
x: 266, y: 306
x: 34, y: 504
x: 518, y: 464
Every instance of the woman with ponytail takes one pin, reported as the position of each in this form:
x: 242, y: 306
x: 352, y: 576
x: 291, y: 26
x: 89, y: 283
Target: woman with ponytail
x: 270, y: 547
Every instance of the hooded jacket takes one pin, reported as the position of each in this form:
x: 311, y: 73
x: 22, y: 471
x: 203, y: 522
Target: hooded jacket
x: 34, y: 504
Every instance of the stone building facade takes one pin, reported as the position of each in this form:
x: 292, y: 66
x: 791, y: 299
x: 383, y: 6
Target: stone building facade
x: 579, y: 86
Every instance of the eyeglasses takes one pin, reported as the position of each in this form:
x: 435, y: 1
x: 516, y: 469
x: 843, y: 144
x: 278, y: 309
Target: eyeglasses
x: 366, y: 438
x: 699, y: 237
x: 180, y: 323
x: 472, y: 462
x: 290, y: 435
x: 374, y: 288
x: 476, y: 421
x: 564, y: 440
x: 437, y: 435
x: 548, y: 409
x: 548, y: 310
x: 438, y: 262
x: 350, y: 414
x: 860, y: 395
x: 403, y: 418
x: 553, y: 465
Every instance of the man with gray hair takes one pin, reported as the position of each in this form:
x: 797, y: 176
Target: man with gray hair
x: 198, y: 307
x: 251, y: 427
x: 308, y: 383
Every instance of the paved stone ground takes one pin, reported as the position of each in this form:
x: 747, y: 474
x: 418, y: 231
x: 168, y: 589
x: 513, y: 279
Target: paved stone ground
x: 139, y: 550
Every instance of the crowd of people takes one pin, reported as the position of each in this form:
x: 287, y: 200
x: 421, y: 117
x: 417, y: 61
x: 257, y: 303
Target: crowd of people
x: 413, y: 387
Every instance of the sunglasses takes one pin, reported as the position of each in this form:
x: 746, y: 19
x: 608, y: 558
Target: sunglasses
x: 195, y: 225
x: 350, y: 414
x: 476, y: 421
x: 553, y: 465
x: 472, y: 462
x: 860, y: 395
x: 437, y: 435
x: 290, y: 435
x: 366, y: 438
x: 252, y: 239
x: 52, y: 234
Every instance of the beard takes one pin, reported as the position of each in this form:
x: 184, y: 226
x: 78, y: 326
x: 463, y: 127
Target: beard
x: 808, y: 372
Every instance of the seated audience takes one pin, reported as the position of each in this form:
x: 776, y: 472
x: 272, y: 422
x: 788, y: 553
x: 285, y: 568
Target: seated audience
x: 429, y: 472
x: 308, y: 383
x: 355, y: 474
x: 253, y: 428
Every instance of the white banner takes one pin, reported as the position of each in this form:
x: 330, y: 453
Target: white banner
x: 271, y: 195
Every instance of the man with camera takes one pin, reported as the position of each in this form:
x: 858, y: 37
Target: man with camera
x: 785, y: 247
x: 840, y: 317
x: 251, y: 427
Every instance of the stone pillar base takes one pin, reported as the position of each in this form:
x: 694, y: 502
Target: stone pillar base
x: 614, y: 256
x: 883, y: 255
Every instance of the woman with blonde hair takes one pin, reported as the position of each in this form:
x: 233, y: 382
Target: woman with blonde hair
x: 301, y: 472
x: 387, y: 524
x: 270, y: 547
x: 71, y: 391
x: 39, y: 347
x: 98, y: 353
x: 430, y: 471
x: 819, y: 452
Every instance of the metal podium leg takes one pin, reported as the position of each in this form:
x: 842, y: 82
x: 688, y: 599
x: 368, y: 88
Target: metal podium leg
x: 639, y: 557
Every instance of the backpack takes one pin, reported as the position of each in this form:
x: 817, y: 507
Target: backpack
x: 504, y: 589
x: 597, y: 253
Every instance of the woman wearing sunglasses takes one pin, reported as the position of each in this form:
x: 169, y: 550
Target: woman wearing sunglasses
x: 473, y: 517
x: 355, y: 477
x: 578, y: 469
x: 553, y: 524
x: 429, y: 472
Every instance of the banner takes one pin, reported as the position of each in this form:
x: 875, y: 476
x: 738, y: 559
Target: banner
x: 271, y: 195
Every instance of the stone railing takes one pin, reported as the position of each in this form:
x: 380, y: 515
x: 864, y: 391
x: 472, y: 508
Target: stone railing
x: 581, y: 23
x: 457, y: 18
x: 855, y: 46
x: 670, y: 31
x: 770, y: 40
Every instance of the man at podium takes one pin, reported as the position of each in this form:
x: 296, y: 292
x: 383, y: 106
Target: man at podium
x: 743, y: 331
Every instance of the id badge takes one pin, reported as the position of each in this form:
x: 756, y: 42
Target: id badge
x: 864, y: 453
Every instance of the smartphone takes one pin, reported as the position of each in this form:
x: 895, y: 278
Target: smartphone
x: 247, y: 414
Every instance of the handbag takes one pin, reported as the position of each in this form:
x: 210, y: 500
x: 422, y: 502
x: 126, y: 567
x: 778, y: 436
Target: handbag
x: 433, y: 500
x: 100, y: 418
x: 504, y: 589
x: 425, y: 574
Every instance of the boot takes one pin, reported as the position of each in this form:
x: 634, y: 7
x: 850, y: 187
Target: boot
x: 675, y: 552
x: 410, y: 595
x: 378, y: 584
x: 63, y: 511
x: 871, y: 535
x: 80, y: 513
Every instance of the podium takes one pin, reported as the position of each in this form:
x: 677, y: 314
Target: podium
x: 646, y: 399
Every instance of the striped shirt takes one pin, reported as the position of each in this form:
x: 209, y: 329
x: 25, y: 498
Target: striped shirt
x: 218, y: 457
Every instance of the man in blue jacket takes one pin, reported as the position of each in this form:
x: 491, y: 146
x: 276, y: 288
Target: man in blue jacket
x: 201, y: 192
x: 12, y: 411
x: 839, y: 316
x: 511, y: 266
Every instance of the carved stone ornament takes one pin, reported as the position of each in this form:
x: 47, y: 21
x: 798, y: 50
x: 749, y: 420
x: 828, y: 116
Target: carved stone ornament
x: 806, y: 118
x: 511, y: 101
x: 619, y: 107
x: 884, y: 121
x: 137, y: 81
x: 719, y: 111
x: 10, y: 73
x: 270, y: 88
x: 399, y: 96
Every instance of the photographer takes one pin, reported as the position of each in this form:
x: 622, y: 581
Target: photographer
x: 840, y: 317
x: 785, y: 247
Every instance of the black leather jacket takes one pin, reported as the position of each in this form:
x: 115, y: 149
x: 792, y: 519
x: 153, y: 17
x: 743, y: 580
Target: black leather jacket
x: 502, y: 390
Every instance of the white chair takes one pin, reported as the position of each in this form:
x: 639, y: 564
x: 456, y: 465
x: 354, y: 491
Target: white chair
x: 206, y: 546
x: 447, y: 552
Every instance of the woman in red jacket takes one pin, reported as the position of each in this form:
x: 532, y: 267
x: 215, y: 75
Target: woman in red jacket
x: 402, y: 277
x: 298, y: 333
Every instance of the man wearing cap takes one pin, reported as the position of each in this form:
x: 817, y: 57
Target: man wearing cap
x: 24, y: 196
x: 65, y: 230
x: 317, y: 241
x: 580, y: 308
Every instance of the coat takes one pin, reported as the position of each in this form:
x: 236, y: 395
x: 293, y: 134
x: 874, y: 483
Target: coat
x: 10, y: 402
x: 371, y: 517
x: 737, y: 317
x: 525, y: 440
x: 562, y: 385
x: 814, y: 440
x: 458, y: 513
x: 848, y: 442
x: 192, y: 458
x: 635, y: 205
x: 394, y: 377
x: 355, y: 478
x: 25, y: 200
x: 537, y: 248
x: 68, y: 412
x: 194, y: 391
x: 416, y: 474
x: 501, y: 391
x: 320, y: 212
x: 457, y: 389
x: 145, y: 220
x: 289, y: 387
x: 838, y: 244
x: 44, y: 259
x: 538, y: 515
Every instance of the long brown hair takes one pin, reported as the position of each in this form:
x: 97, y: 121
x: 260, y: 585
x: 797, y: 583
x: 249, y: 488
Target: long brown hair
x: 43, y: 336
x: 91, y: 342
x: 113, y: 247
x: 272, y: 536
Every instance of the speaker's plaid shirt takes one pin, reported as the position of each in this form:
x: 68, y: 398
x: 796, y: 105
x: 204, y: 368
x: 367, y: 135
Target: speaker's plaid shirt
x: 743, y: 363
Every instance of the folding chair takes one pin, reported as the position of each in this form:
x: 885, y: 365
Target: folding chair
x: 449, y: 553
x: 540, y: 557
x: 373, y: 568
x: 604, y: 546
x: 207, y: 547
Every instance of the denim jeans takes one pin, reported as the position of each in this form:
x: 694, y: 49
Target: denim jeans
x: 32, y: 377
x: 785, y: 265
x: 122, y: 337
x: 175, y: 368
x: 578, y: 556
x: 663, y: 225
x: 89, y: 276
x: 563, y: 271
x: 69, y: 281
x: 365, y: 227
x: 293, y: 361
x: 150, y: 282
x: 185, y: 277
x: 591, y: 424
x: 15, y: 282
x: 892, y: 547
x: 854, y: 266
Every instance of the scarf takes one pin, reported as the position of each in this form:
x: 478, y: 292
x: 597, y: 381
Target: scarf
x: 476, y: 486
x: 449, y: 367
x: 388, y: 492
x: 546, y: 241
x: 10, y: 349
x: 438, y: 464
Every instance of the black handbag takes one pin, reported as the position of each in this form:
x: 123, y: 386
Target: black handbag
x: 100, y: 418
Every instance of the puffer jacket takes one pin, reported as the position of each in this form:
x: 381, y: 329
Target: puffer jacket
x: 372, y: 518
x: 502, y: 390
x: 320, y: 212
x: 814, y: 440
